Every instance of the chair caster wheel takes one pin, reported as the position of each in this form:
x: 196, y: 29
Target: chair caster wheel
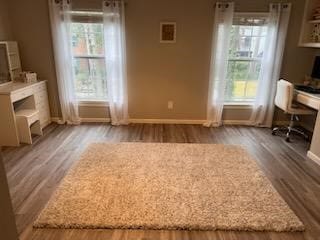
x: 287, y: 139
x: 273, y: 133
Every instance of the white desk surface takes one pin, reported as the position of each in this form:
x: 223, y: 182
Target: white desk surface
x: 309, y: 99
x: 8, y: 88
x: 313, y: 95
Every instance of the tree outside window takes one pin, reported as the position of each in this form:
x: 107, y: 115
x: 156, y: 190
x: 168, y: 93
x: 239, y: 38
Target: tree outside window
x: 89, y: 61
x: 244, y: 60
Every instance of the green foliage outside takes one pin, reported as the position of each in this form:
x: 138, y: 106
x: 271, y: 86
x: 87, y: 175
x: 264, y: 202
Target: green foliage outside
x: 244, y: 63
x: 89, y: 65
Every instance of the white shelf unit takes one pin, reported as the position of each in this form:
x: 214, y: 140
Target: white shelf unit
x: 308, y: 24
x: 13, y: 58
x: 314, y: 21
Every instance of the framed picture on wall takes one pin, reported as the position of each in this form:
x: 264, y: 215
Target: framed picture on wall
x: 168, y: 32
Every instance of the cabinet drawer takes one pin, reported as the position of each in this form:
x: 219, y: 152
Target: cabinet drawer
x: 40, y: 87
x: 42, y: 107
x: 16, y: 96
x: 40, y: 97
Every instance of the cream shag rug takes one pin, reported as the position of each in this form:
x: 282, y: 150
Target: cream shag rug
x: 167, y: 186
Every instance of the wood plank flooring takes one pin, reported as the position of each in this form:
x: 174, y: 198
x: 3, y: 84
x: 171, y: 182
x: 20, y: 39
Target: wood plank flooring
x: 35, y: 171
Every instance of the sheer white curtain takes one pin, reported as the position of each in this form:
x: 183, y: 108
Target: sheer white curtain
x: 115, y: 55
x: 263, y: 108
x: 60, y: 17
x: 219, y: 62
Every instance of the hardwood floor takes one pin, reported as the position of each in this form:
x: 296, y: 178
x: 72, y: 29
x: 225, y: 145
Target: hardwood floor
x: 35, y: 171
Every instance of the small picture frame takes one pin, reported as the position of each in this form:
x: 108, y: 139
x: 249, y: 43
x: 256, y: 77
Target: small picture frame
x: 168, y: 32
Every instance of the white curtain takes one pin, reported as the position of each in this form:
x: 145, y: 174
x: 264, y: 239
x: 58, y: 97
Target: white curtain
x: 60, y: 17
x: 263, y: 108
x: 115, y: 55
x: 219, y: 62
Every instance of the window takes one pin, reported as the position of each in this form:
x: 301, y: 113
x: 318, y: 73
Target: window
x: 89, y: 61
x: 244, y: 61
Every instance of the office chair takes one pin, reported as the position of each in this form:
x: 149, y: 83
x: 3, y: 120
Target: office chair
x: 284, y: 101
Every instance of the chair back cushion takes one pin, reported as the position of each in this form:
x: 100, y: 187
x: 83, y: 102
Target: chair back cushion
x: 284, y: 95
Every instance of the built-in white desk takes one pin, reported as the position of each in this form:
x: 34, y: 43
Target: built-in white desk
x: 16, y: 96
x: 313, y: 101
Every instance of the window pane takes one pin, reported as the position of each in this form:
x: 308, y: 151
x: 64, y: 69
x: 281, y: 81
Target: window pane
x: 245, y: 54
x: 89, y: 63
x: 242, y: 80
x: 247, y: 41
x: 90, y: 78
x: 87, y: 39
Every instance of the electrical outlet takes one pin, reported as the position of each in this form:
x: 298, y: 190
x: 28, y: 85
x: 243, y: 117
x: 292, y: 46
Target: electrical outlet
x: 170, y: 104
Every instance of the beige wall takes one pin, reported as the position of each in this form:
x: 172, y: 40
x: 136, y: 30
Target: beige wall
x: 5, y: 26
x: 179, y: 72
x: 162, y: 72
x: 97, y: 112
x: 31, y: 28
x: 157, y: 72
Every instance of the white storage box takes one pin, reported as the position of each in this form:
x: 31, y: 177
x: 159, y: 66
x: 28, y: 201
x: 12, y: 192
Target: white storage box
x: 28, y: 77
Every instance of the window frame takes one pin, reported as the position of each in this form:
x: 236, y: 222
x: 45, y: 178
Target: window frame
x: 244, y: 104
x: 88, y: 17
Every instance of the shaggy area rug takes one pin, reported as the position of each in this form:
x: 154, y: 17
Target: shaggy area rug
x: 167, y: 186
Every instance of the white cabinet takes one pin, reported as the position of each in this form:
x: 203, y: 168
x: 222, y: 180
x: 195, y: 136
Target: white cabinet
x: 42, y: 103
x: 17, y: 96
x: 310, y: 29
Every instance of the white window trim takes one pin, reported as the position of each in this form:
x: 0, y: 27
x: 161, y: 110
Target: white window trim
x: 245, y: 59
x: 86, y: 13
x: 238, y: 105
x: 93, y: 103
x: 251, y: 14
x: 84, y: 101
x: 244, y: 104
x: 89, y: 56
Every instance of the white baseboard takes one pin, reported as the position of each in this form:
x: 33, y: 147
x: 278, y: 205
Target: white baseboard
x: 188, y: 121
x: 160, y: 121
x: 313, y: 157
x: 167, y: 121
x: 95, y: 120
x: 85, y: 120
x: 55, y: 119
x: 237, y: 122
